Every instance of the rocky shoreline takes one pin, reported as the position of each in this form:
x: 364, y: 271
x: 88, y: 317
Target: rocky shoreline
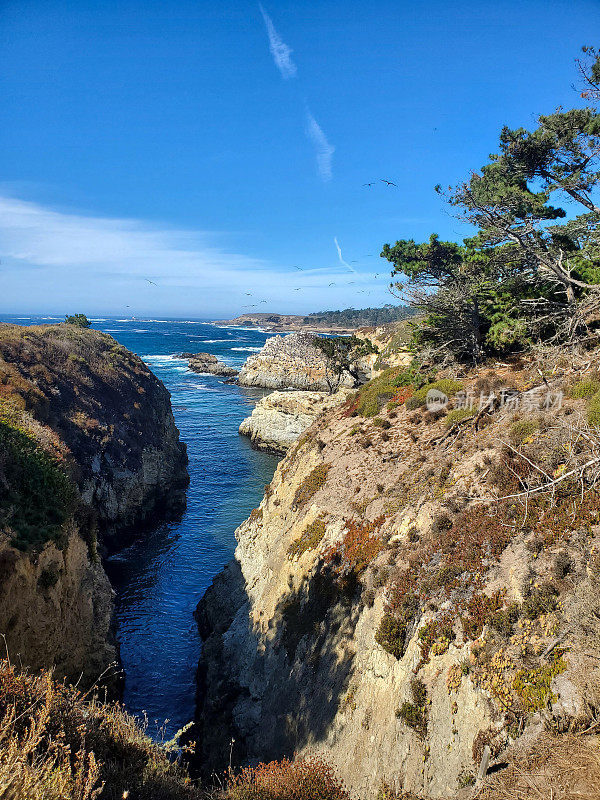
x: 279, y: 419
x: 207, y: 364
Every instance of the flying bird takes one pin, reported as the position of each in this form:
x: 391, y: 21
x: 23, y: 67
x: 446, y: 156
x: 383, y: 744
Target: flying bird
x: 388, y: 183
x: 369, y: 184
x: 297, y: 267
x: 248, y: 294
x: 332, y: 284
x: 152, y: 282
x: 298, y: 289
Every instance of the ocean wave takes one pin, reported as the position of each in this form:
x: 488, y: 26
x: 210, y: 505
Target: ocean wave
x: 247, y: 349
x: 112, y: 330
x: 239, y: 328
x: 212, y: 341
x: 141, y: 330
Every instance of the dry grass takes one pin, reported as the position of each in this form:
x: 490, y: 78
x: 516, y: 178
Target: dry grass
x: 554, y: 768
x: 58, y: 744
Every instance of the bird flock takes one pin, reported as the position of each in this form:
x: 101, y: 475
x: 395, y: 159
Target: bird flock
x: 369, y: 184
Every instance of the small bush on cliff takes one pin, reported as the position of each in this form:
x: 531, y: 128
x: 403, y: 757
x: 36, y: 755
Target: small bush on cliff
x: 311, y: 485
x: 37, y: 497
x: 305, y: 779
x: 415, y: 714
x: 80, y: 320
x: 310, y: 538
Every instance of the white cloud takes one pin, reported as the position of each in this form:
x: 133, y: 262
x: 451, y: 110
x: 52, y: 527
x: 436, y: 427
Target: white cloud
x: 282, y: 54
x: 324, y: 150
x: 56, y: 261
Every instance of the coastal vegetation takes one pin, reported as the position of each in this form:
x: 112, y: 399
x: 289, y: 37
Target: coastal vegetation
x: 360, y: 317
x: 531, y: 272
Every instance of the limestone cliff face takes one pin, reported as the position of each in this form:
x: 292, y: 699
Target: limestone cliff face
x: 55, y: 609
x: 91, y: 453
x: 380, y: 613
x: 280, y: 418
x: 292, y: 362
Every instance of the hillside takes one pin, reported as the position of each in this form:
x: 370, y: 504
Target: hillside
x: 417, y: 593
x: 89, y: 451
x: 346, y: 321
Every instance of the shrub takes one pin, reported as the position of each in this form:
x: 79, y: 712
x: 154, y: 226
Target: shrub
x: 522, y: 429
x: 533, y: 686
x: 371, y: 397
x: 447, y: 386
x: 457, y: 415
x: 382, y: 423
x: 37, y: 497
x: 584, y: 389
x: 415, y: 714
x: 358, y: 547
x: 541, y: 600
x: 48, y: 577
x: 80, y: 320
x: 305, y: 779
x: 593, y: 411
x: 310, y: 485
x: 310, y: 537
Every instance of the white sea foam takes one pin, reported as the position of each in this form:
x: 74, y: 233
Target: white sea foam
x: 247, y: 349
x: 141, y: 330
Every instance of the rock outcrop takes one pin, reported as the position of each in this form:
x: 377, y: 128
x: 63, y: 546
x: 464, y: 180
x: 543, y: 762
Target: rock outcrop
x: 382, y: 613
x: 90, y: 454
x: 280, y: 418
x: 293, y: 362
x: 207, y: 364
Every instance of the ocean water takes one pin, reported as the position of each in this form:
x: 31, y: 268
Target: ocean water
x: 160, y: 577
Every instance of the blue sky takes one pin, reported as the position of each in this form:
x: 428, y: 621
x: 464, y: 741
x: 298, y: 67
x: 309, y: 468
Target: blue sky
x: 212, y: 147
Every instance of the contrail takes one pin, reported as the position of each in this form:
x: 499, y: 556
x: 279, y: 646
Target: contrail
x: 339, y: 251
x: 324, y: 150
x: 282, y: 54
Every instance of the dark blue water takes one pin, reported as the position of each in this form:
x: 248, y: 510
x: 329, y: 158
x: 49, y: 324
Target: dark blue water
x: 161, y: 577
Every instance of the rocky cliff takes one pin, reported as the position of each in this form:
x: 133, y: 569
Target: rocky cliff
x: 416, y: 597
x: 280, y: 418
x: 90, y: 452
x: 293, y: 362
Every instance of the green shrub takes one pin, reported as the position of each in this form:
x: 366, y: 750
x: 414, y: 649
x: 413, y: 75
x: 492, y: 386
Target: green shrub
x: 415, y: 714
x: 593, y: 411
x: 457, y: 415
x: 391, y: 634
x: 80, y: 320
x: 382, y: 423
x: 310, y: 538
x: 522, y: 429
x: 48, y: 577
x: 447, y: 386
x: 311, y: 485
x: 37, y: 497
x: 584, y: 389
x: 371, y: 397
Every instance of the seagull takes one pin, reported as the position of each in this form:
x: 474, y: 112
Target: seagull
x: 263, y: 301
x: 388, y: 183
x: 298, y: 289
x: 369, y: 184
x: 152, y: 282
x: 248, y: 294
x: 297, y: 267
x: 332, y: 284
